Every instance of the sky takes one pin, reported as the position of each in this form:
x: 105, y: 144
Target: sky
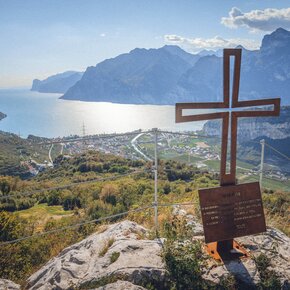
x: 39, y: 38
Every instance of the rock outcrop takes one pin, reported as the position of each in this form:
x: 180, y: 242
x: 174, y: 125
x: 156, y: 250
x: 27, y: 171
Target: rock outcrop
x: 251, y: 128
x: 274, y: 244
x: 121, y: 257
x: 118, y: 253
x: 121, y: 285
x: 8, y: 285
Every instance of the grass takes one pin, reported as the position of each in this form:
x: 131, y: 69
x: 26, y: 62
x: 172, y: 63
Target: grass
x: 41, y: 213
x: 43, y: 210
x: 106, y: 247
x: 114, y: 257
x: 269, y: 183
x: 213, y: 164
x: 179, y: 157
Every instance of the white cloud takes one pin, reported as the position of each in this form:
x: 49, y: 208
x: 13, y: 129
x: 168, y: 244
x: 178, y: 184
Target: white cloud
x: 265, y: 20
x: 103, y: 34
x: 215, y: 43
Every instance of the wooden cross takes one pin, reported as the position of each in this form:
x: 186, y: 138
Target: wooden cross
x: 229, y: 178
x: 231, y: 210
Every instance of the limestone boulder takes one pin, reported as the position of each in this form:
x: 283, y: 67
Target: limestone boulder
x: 8, y: 285
x: 120, y: 252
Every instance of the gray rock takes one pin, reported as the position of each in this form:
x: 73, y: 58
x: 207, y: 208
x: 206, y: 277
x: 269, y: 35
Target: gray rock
x: 274, y: 244
x: 8, y: 285
x: 139, y: 260
x: 121, y: 285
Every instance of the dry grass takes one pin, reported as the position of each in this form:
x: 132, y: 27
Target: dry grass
x: 106, y: 247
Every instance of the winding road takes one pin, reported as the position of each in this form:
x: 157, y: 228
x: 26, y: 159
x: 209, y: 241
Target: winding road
x: 135, y: 146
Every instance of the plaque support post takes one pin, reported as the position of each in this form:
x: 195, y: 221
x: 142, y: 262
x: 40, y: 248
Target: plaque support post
x: 262, y: 142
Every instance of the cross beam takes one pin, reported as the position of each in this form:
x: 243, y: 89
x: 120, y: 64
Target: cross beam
x: 227, y: 117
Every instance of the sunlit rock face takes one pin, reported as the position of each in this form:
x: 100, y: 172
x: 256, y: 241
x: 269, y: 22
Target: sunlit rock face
x: 8, y: 285
x: 251, y: 128
x: 89, y: 263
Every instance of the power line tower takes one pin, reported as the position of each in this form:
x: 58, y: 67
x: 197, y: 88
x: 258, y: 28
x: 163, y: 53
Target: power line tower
x: 84, y: 135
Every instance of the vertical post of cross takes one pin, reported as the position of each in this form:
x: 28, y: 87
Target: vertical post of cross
x: 155, y: 130
x: 262, y: 142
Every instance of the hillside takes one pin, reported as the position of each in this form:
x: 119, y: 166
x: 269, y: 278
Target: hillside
x: 168, y: 75
x: 14, y: 151
x: 93, y: 186
x: 58, y: 83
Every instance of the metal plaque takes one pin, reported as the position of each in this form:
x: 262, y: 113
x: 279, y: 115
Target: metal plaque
x: 231, y: 211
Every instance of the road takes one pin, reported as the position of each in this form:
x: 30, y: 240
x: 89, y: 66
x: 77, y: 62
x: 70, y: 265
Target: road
x: 135, y: 146
x: 49, y: 154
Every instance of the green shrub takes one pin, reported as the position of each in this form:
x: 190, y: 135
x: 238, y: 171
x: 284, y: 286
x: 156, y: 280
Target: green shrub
x: 114, y: 257
x: 268, y: 278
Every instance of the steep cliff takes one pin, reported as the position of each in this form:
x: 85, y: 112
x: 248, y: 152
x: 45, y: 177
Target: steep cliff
x: 252, y: 128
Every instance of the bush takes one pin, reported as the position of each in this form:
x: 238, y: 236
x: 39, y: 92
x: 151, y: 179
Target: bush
x: 114, y: 257
x: 183, y: 258
x: 268, y: 278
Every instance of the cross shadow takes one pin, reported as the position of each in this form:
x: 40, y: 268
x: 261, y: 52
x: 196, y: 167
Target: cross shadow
x: 236, y: 267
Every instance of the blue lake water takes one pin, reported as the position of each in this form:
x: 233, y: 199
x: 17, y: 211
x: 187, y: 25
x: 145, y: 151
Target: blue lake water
x: 48, y: 116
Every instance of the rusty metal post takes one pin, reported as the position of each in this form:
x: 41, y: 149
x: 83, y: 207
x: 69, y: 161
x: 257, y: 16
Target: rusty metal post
x: 262, y: 142
x: 155, y: 179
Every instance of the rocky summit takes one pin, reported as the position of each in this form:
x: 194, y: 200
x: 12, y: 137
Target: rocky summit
x: 120, y: 252
x: 121, y: 257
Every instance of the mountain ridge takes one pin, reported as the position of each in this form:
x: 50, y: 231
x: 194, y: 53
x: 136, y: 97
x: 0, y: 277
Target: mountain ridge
x: 168, y: 75
x: 58, y: 83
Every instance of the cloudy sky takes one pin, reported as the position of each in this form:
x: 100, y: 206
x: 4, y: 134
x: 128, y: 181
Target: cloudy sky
x: 43, y: 37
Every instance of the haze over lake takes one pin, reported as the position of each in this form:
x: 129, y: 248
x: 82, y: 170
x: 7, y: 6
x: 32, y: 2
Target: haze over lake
x: 46, y: 115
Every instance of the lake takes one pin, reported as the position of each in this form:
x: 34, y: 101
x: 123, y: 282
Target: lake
x: 46, y: 115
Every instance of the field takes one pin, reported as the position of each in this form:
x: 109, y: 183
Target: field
x: 41, y: 213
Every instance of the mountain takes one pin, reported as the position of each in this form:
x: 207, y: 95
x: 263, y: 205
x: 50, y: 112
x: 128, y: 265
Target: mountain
x: 142, y: 76
x: 2, y: 116
x: 188, y: 57
x: 169, y: 75
x: 264, y: 73
x: 206, y: 52
x: 58, y: 83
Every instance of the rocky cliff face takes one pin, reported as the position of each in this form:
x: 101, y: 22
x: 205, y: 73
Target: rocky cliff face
x: 121, y: 257
x: 252, y: 128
